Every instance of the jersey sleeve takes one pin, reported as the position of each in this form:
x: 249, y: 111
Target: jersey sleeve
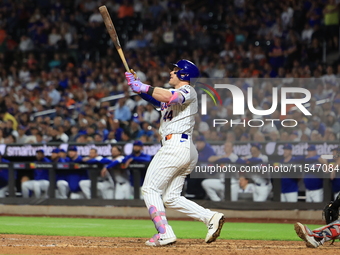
x: 187, y: 92
x: 115, y: 162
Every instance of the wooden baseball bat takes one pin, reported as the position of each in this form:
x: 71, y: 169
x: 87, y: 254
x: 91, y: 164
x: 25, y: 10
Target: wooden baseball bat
x: 113, y: 34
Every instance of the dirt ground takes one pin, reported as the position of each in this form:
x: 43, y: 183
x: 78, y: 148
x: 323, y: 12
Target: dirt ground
x: 29, y: 244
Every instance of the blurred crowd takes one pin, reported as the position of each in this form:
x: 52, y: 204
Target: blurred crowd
x: 57, y: 55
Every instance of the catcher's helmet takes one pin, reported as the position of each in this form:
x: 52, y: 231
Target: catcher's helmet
x: 188, y: 70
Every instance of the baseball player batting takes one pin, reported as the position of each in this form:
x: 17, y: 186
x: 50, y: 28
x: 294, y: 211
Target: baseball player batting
x: 177, y: 157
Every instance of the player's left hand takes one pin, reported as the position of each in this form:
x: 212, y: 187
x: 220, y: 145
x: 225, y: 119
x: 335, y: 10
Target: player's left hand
x: 139, y: 87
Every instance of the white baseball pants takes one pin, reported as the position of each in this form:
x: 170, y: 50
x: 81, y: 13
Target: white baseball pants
x: 165, y: 178
x: 289, y: 197
x: 215, y: 189
x: 105, y: 189
x: 261, y: 192
x: 123, y: 191
x: 37, y: 186
x: 3, y: 191
x: 314, y: 196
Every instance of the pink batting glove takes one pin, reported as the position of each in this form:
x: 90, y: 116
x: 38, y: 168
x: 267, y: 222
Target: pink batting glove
x: 139, y: 87
x: 129, y: 77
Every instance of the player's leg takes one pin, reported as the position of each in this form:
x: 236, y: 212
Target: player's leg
x: 77, y: 195
x: 283, y: 197
x: 26, y: 187
x: 292, y: 197
x: 85, y: 186
x: 309, y: 196
x: 262, y: 189
x: 36, y: 189
x: 63, y: 188
x: 106, y: 189
x: 234, y: 188
x: 315, y: 238
x: 314, y: 196
x: 318, y: 196
x: 119, y: 192
x: 123, y: 191
x: 44, y: 184
x: 213, y: 187
x: 172, y: 199
x: 127, y: 190
x: 260, y: 193
x: 3, y: 191
x: 160, y: 171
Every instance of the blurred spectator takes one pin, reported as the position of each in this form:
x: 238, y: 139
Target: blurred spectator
x: 105, y: 186
x: 122, y: 112
x: 205, y: 152
x: 313, y: 182
x: 331, y: 20
x: 120, y: 176
x: 26, y: 44
x: 53, y: 57
x: 246, y: 189
x: 263, y: 183
x: 3, y: 178
x: 318, y: 125
x: 137, y: 156
x: 69, y: 182
x: 151, y: 115
x: 40, y: 183
x: 125, y: 10
x: 303, y: 129
x: 214, y: 188
x: 289, y: 186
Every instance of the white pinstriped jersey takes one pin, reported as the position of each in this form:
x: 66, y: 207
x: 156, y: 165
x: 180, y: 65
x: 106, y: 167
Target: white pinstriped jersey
x: 179, y: 118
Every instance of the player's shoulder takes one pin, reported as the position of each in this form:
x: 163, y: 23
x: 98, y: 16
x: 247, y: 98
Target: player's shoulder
x: 187, y: 89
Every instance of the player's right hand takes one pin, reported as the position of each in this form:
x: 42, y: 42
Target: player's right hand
x: 129, y: 77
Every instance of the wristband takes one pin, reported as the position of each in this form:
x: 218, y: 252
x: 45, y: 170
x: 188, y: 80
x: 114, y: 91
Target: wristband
x: 150, y: 90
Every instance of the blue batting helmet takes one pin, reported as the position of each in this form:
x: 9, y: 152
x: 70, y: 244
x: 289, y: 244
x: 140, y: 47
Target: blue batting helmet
x: 188, y: 70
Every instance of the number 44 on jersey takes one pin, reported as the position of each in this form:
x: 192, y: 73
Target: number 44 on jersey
x: 168, y: 116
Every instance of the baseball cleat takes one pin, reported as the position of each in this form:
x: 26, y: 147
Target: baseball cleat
x: 214, y: 227
x: 156, y: 240
x: 307, y: 235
